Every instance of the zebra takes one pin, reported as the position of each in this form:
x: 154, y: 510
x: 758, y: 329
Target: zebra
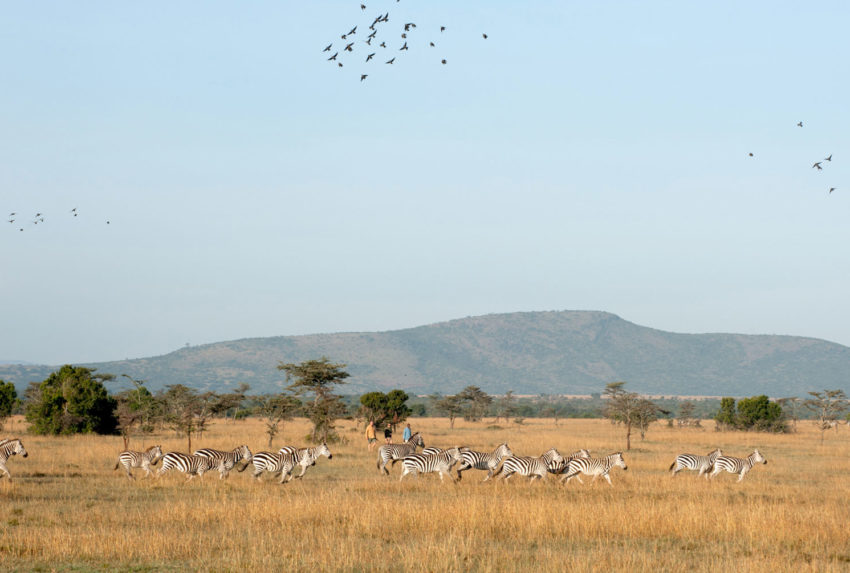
x: 427, y: 463
x: 531, y: 467
x: 281, y: 463
x: 190, y: 465
x: 737, y: 465
x: 144, y: 460
x: 396, y: 452
x: 558, y: 468
x: 703, y: 464
x: 225, y: 461
x: 307, y: 456
x: 482, y: 461
x: 594, y: 467
x: 9, y: 448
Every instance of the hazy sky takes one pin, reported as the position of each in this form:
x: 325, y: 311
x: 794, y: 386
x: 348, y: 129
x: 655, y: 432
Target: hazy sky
x: 585, y: 156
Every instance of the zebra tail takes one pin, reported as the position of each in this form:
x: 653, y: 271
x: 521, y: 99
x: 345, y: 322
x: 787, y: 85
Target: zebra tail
x: 673, y: 465
x: 116, y: 466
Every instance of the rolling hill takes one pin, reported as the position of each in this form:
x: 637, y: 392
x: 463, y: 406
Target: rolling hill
x: 556, y: 352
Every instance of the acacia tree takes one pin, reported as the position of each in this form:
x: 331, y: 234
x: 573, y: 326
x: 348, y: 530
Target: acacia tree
x: 476, y: 402
x: 791, y: 408
x: 623, y: 407
x: 451, y: 406
x: 8, y: 400
x: 275, y: 410
x: 136, y: 410
x: 506, y: 406
x: 686, y: 414
x: 318, y: 377
x: 647, y: 412
x: 827, y: 406
x: 185, y: 411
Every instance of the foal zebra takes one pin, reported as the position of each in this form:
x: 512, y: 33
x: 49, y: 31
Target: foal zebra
x: 225, y: 461
x: 190, y: 465
x: 737, y: 465
x: 307, y: 456
x: 396, y: 452
x: 694, y: 462
x: 595, y: 467
x: 531, y: 467
x: 144, y: 460
x: 9, y: 448
x: 426, y: 463
x: 470, y: 459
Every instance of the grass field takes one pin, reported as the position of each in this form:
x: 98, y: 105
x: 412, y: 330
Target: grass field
x: 66, y: 509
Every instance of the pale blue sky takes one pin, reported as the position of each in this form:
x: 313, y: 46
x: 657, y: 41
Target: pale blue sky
x: 585, y: 156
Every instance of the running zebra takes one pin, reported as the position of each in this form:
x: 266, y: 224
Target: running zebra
x: 275, y: 463
x: 9, y: 448
x: 530, y: 467
x: 396, y: 452
x: 307, y: 456
x: 470, y: 459
x: 225, y: 461
x: 144, y: 460
x: 737, y: 465
x: 190, y: 465
x: 427, y: 463
x: 702, y: 464
x: 559, y: 468
x: 594, y: 467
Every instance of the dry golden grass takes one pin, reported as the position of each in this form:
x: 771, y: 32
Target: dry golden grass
x: 66, y: 509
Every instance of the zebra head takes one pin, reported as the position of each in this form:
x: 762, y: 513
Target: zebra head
x: 154, y: 453
x: 552, y: 457
x: 454, y: 453
x: 617, y: 460
x: 757, y: 458
x: 244, y: 453
x: 502, y: 451
x: 416, y: 440
x: 714, y: 455
x: 19, y: 448
x: 323, y: 451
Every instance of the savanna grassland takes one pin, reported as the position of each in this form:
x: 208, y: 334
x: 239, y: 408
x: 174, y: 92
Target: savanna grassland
x: 67, y: 509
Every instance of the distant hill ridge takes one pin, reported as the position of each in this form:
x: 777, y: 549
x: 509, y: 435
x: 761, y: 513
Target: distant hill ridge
x: 551, y: 352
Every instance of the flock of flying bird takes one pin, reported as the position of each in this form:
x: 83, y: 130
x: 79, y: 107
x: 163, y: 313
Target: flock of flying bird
x: 350, y: 42
x: 817, y: 164
x: 37, y: 218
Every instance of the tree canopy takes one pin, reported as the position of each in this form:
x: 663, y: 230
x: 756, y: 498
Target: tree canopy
x: 71, y: 400
x: 318, y: 377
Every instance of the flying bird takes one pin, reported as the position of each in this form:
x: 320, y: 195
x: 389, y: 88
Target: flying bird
x: 372, y: 35
x: 799, y: 124
x: 340, y: 64
x: 831, y: 189
x: 828, y: 158
x: 353, y: 31
x: 363, y: 6
x: 751, y: 154
x: 383, y: 44
x: 363, y: 76
x: 444, y: 61
x: 817, y: 164
x: 368, y: 41
x: 442, y: 28
x: 432, y: 44
x: 408, y: 26
x: 370, y: 56
x: 344, y: 36
x: 348, y: 47
x: 404, y: 35
x: 390, y: 61
x: 328, y: 49
x: 333, y: 57
x: 485, y: 36
x: 404, y: 47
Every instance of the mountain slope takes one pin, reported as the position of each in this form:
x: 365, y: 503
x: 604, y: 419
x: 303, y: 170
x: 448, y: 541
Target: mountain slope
x: 564, y: 352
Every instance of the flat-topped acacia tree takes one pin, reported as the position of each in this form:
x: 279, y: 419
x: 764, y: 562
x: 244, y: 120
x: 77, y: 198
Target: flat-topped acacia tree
x: 319, y: 378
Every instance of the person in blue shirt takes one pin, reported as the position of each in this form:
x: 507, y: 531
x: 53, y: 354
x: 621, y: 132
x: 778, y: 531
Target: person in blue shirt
x: 406, y: 435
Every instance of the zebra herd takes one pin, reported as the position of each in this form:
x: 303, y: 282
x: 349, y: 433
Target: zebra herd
x: 501, y: 462
x: 282, y: 462
x: 441, y: 461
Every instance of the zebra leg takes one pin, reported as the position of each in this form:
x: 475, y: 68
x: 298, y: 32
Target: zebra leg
x: 608, y: 478
x: 5, y: 471
x: 741, y: 475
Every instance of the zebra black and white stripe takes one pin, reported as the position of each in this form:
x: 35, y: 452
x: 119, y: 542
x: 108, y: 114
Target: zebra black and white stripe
x: 428, y: 463
x: 307, y: 456
x: 737, y: 465
x: 190, y: 465
x: 594, y: 467
x: 530, y: 467
x: 144, y: 460
x: 275, y: 463
x: 9, y: 448
x: 702, y: 464
x: 396, y: 452
x: 225, y: 461
x: 471, y: 459
x: 559, y: 468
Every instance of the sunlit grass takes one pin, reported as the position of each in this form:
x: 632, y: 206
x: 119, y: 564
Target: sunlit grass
x: 67, y: 509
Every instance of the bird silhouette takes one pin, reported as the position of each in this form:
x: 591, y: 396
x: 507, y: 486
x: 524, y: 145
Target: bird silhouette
x: 799, y: 124
x: 432, y: 44
x: 372, y: 35
x: 363, y: 76
x: 348, y: 47
x: 353, y: 31
x: 328, y: 49
x: 831, y: 189
x: 333, y: 57
x: 751, y: 154
x: 370, y: 56
x: 444, y: 61
x: 363, y: 6
x: 404, y: 47
x: 390, y: 61
x: 383, y: 44
x: 442, y: 28
x: 404, y: 35
x: 828, y: 158
x: 817, y: 164
x: 344, y: 36
x: 339, y: 64
x: 408, y: 26
x: 485, y: 36
x: 368, y: 41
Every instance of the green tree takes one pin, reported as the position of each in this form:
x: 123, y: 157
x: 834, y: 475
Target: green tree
x: 318, y: 377
x: 70, y: 401
x: 185, y: 410
x: 726, y: 417
x: 791, y: 408
x: 450, y: 406
x: 136, y: 409
x: 8, y: 401
x: 623, y: 407
x: 647, y: 412
x: 275, y: 410
x: 475, y: 401
x: 506, y: 406
x: 827, y: 407
x: 759, y: 413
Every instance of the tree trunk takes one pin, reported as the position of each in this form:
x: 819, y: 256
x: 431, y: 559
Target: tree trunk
x: 628, y: 436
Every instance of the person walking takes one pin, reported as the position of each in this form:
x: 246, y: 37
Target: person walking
x: 388, y: 434
x: 407, y: 433
x: 371, y: 437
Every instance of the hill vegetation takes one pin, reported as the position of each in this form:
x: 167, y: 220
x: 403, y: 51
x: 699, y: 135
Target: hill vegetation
x: 564, y: 352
